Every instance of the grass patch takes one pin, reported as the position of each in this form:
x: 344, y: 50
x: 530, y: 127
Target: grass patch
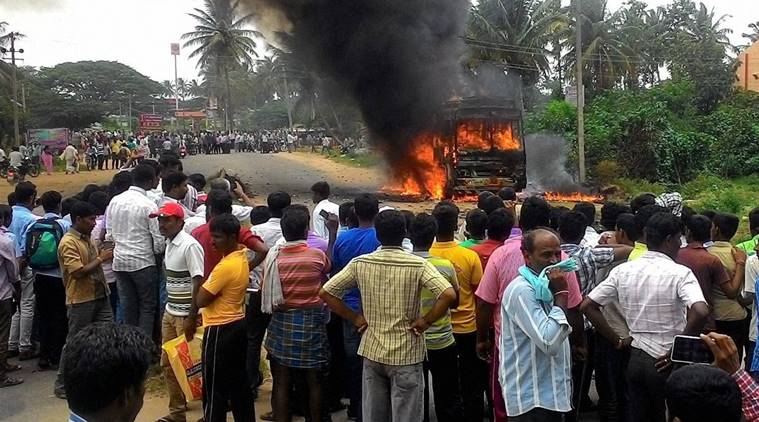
x: 369, y: 159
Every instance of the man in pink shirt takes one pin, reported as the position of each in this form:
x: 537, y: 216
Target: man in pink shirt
x: 502, y: 268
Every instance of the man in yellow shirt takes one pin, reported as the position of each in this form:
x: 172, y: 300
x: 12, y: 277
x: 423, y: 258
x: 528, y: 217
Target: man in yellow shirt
x: 225, y: 342
x: 472, y: 371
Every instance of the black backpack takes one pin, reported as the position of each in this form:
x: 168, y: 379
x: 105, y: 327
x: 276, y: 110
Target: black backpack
x: 42, y: 240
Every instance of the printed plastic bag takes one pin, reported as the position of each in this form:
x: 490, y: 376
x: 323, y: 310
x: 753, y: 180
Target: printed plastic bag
x: 185, y: 360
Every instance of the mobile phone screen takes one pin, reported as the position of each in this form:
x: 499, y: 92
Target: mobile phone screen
x: 324, y: 214
x: 689, y: 349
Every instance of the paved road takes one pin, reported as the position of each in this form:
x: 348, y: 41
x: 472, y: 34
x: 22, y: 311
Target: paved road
x: 292, y: 173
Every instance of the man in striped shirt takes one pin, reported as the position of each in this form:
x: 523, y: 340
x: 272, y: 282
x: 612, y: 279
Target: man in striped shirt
x: 390, y: 282
x: 535, y: 362
x: 184, y: 273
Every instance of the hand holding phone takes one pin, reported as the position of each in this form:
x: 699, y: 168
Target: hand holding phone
x: 324, y: 214
x: 689, y: 349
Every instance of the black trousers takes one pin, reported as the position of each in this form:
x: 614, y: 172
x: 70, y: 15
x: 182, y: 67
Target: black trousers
x: 6, y: 312
x: 473, y: 375
x: 336, y: 370
x: 646, y: 388
x: 737, y: 330
x: 582, y: 373
x: 611, y: 367
x: 224, y: 381
x: 258, y: 322
x: 445, y: 384
x: 538, y: 415
x: 53, y: 323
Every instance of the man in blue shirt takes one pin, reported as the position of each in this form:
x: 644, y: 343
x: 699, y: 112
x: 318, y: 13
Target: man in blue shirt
x: 49, y: 291
x: 535, y: 368
x: 350, y: 244
x: 20, y: 343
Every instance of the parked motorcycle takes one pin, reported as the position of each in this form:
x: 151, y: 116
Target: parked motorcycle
x: 18, y: 174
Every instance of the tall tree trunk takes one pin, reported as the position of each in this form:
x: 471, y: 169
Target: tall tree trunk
x: 229, y: 124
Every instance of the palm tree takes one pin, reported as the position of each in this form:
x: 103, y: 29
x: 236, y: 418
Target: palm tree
x: 195, y: 90
x: 222, y: 40
x: 753, y: 36
x: 515, y: 34
x: 605, y: 53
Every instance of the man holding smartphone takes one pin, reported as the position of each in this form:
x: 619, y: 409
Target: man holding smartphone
x: 82, y: 269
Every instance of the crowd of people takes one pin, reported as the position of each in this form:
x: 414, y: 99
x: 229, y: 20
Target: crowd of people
x: 504, y: 317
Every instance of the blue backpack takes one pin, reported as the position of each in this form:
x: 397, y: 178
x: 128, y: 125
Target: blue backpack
x: 42, y: 240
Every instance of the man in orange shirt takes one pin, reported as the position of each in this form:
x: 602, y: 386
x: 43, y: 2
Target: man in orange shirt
x: 224, y: 341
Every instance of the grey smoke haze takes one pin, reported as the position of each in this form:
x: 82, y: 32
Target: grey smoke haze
x: 397, y: 59
x: 546, y: 164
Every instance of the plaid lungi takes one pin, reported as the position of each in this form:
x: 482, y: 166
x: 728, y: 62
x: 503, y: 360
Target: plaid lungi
x: 297, y: 338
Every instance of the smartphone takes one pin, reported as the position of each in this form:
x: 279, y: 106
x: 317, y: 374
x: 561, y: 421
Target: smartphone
x: 688, y: 349
x: 108, y: 244
x: 324, y: 214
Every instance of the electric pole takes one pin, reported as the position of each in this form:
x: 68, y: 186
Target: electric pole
x: 14, y: 85
x: 580, y: 92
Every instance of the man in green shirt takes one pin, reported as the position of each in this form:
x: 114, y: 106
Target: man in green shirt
x: 476, y: 224
x: 442, y: 354
x: 753, y: 222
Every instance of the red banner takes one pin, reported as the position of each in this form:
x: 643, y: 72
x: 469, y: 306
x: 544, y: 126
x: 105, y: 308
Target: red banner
x: 149, y: 122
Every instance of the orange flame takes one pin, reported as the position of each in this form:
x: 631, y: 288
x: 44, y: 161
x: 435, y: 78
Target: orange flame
x: 474, y: 134
x: 423, y: 173
x: 573, y: 197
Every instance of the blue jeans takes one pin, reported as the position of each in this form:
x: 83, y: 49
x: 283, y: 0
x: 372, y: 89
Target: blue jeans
x: 353, y: 368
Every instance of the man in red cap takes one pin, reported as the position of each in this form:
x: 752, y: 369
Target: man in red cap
x: 183, y: 264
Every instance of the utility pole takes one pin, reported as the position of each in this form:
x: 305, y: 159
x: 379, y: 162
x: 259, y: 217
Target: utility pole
x: 130, y: 113
x: 14, y: 85
x: 287, y: 97
x: 580, y: 92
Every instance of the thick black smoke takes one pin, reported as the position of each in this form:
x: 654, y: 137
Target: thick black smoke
x: 399, y: 60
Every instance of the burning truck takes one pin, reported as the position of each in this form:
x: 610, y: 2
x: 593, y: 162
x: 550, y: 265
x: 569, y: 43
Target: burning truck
x: 475, y: 144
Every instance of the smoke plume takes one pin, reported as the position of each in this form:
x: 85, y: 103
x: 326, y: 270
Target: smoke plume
x: 399, y: 60
x: 546, y: 164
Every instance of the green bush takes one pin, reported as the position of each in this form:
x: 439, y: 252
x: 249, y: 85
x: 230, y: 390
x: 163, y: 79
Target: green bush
x: 606, y: 172
x: 735, y: 128
x: 634, y: 187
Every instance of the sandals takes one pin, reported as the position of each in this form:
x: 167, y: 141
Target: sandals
x: 10, y: 381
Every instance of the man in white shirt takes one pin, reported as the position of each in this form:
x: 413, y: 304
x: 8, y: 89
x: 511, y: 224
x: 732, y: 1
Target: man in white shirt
x: 70, y: 155
x: 321, y: 194
x: 16, y: 157
x: 137, y: 241
x: 242, y: 212
x: 174, y: 186
x: 655, y: 294
x: 171, y: 163
x: 183, y: 263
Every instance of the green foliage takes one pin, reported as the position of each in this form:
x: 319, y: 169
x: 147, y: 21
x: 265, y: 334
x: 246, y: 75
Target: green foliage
x: 558, y: 117
x: 77, y: 94
x: 634, y: 187
x: 606, y: 172
x: 735, y: 127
